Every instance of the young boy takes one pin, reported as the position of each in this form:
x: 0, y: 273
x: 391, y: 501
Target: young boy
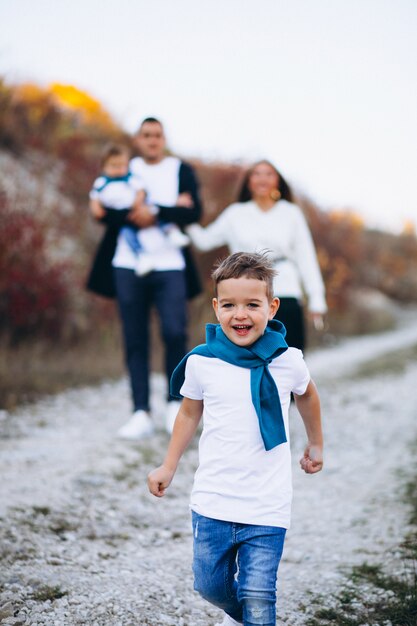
x: 118, y: 188
x: 241, y: 382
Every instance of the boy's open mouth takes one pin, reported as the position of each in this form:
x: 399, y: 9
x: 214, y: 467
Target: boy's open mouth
x: 242, y: 329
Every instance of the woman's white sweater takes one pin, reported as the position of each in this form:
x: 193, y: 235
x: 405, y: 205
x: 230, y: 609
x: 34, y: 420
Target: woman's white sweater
x: 282, y: 230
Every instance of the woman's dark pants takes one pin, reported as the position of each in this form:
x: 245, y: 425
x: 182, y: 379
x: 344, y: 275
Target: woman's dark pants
x: 290, y: 313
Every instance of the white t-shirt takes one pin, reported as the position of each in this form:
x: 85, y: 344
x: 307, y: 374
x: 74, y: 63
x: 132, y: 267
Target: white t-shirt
x: 237, y: 480
x: 161, y: 183
x: 284, y: 231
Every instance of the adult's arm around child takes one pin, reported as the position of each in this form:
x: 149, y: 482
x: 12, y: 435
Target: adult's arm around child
x: 308, y: 405
x: 96, y: 209
x: 185, y: 426
x: 182, y: 214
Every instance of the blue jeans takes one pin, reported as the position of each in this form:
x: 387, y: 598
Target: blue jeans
x: 224, y: 549
x: 135, y: 297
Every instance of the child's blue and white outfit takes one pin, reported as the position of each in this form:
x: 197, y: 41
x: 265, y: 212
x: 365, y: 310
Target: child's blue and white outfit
x: 120, y: 193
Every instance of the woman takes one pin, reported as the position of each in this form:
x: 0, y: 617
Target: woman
x: 265, y: 218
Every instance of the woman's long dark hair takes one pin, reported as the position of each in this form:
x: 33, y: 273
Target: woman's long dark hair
x: 283, y: 186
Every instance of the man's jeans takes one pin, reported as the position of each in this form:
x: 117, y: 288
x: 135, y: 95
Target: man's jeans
x: 222, y: 549
x: 135, y: 296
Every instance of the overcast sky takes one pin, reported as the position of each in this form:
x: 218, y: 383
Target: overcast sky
x: 326, y: 89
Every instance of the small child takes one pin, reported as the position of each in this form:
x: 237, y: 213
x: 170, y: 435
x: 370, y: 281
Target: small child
x: 118, y: 188
x: 241, y: 382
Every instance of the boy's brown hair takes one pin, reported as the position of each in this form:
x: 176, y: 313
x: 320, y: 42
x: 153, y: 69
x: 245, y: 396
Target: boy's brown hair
x: 114, y: 149
x: 249, y: 264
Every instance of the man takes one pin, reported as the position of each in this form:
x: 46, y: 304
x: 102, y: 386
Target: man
x: 173, y: 198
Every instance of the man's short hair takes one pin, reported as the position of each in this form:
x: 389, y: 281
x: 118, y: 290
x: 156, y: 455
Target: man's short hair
x: 249, y: 264
x: 150, y: 120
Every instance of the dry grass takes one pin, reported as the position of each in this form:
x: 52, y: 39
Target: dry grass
x: 33, y: 369
x: 40, y: 367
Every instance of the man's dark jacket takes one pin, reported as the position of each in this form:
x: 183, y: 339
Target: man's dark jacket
x: 101, y: 279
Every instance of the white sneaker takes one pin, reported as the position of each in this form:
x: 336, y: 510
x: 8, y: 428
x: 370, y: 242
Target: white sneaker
x: 177, y: 238
x: 139, y: 426
x: 172, y: 410
x: 144, y: 264
x: 229, y: 621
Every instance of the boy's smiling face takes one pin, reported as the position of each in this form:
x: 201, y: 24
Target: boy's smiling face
x: 243, y: 309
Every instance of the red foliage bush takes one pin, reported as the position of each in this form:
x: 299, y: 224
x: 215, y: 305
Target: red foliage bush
x: 33, y: 290
x: 42, y: 295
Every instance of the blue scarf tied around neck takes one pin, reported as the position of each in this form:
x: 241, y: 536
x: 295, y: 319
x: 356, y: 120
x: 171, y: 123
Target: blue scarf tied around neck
x: 265, y: 396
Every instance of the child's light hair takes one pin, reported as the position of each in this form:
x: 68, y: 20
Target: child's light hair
x: 249, y: 264
x: 114, y: 149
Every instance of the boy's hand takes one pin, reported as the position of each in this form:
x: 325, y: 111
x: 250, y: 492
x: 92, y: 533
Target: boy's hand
x: 312, y: 461
x: 159, y: 479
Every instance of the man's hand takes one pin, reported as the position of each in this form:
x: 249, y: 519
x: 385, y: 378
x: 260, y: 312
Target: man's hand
x: 141, y: 216
x: 159, y: 479
x: 312, y: 461
x: 185, y: 200
x: 97, y: 210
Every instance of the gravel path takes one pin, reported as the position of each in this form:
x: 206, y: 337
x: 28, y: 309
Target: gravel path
x: 82, y: 542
